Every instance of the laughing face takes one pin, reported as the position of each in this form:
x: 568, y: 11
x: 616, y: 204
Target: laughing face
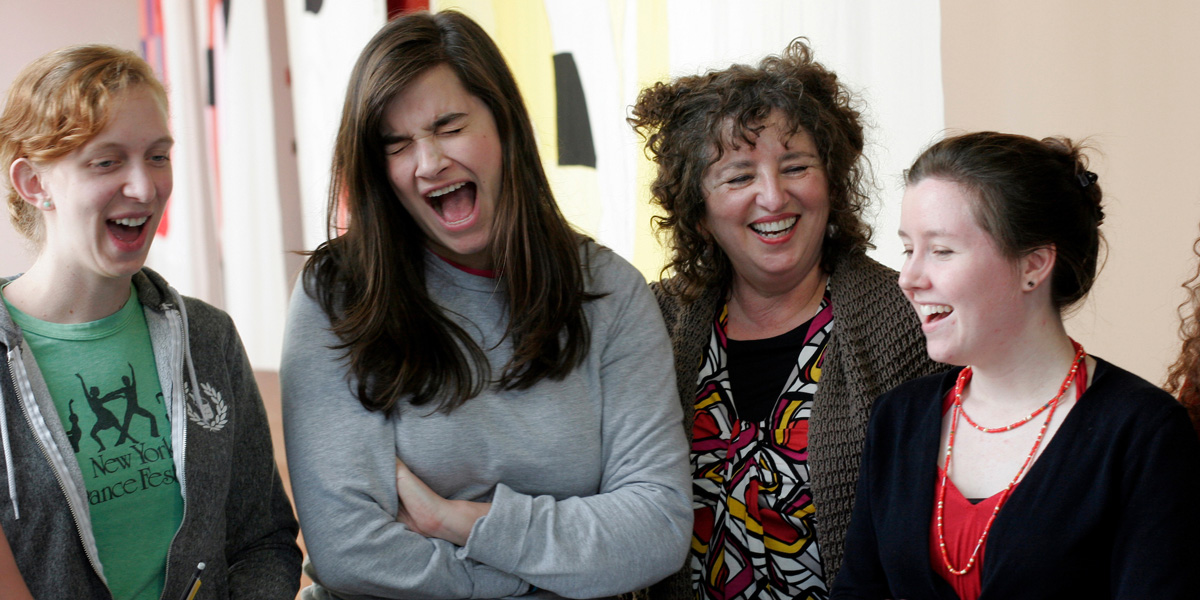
x: 767, y: 206
x: 444, y: 163
x: 109, y: 194
x: 967, y: 294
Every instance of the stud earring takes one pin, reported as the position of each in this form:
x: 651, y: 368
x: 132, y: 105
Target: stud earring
x: 1029, y: 284
x: 47, y: 204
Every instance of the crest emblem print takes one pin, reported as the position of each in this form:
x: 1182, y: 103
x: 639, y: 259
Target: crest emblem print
x: 206, y: 409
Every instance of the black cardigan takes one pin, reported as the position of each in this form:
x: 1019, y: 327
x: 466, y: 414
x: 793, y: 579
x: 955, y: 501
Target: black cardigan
x: 1109, y: 510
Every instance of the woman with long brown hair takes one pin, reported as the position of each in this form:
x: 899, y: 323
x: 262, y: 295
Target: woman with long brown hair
x: 478, y: 400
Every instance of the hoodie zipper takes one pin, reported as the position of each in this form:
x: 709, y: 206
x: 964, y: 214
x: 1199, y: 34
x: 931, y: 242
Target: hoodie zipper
x: 181, y: 472
x: 57, y: 476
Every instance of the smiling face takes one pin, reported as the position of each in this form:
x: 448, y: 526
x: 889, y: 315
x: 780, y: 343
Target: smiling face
x: 108, y: 195
x: 444, y: 163
x: 967, y: 294
x: 767, y: 206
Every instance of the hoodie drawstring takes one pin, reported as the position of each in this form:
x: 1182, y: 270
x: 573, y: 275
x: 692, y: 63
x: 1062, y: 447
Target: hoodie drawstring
x: 8, y: 461
x: 187, y: 347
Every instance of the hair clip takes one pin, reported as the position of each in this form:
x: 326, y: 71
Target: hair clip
x: 1086, y: 178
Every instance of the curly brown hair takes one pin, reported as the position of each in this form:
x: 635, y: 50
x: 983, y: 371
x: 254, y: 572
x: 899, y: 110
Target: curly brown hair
x: 690, y: 122
x: 1184, y: 376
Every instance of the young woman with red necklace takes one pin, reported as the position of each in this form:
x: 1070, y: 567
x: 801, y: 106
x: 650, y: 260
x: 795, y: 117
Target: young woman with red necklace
x: 1035, y: 470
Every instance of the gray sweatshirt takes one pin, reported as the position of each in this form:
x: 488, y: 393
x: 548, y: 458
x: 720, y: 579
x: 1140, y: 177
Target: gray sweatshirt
x: 588, y: 476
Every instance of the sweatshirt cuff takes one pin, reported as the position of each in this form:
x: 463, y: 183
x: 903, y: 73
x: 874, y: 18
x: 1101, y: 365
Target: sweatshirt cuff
x: 491, y: 583
x: 494, y: 540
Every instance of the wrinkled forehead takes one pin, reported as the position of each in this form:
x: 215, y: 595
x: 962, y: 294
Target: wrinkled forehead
x: 737, y: 131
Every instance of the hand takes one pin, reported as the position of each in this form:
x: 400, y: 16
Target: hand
x: 425, y: 512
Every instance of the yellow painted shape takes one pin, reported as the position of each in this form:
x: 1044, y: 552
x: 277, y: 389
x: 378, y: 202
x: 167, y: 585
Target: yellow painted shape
x: 522, y: 32
x: 481, y: 11
x: 653, y: 64
x: 577, y: 190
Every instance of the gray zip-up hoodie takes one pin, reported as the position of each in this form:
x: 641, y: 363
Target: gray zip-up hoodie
x: 237, y: 519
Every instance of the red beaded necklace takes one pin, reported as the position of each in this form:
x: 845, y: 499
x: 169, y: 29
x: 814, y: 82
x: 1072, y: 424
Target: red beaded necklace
x: 966, y: 373
x: 957, y: 409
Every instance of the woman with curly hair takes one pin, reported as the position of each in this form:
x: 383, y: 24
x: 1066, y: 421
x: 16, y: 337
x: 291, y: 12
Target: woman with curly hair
x: 784, y: 330
x: 1184, y: 376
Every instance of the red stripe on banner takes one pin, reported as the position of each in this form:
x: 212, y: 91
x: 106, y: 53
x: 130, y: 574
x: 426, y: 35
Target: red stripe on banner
x: 150, y: 22
x: 396, y: 8
x: 216, y: 56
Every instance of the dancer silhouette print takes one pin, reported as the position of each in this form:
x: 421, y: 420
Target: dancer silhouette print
x: 74, y: 434
x: 105, y: 419
x: 129, y: 390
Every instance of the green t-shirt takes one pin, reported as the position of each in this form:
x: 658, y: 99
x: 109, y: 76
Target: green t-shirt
x: 104, y: 382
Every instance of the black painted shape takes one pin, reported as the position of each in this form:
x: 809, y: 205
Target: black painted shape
x: 212, y: 77
x: 313, y: 6
x: 575, y: 145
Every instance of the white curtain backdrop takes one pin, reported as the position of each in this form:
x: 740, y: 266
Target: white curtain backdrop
x: 887, y: 52
x: 189, y: 253
x: 232, y: 254
x: 322, y: 48
x: 586, y: 31
x: 251, y: 235
x: 225, y: 240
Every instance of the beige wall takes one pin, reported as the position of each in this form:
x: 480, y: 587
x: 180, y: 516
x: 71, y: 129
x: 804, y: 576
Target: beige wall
x: 1126, y: 75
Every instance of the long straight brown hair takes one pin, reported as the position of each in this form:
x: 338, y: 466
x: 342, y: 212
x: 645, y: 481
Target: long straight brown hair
x: 370, y: 280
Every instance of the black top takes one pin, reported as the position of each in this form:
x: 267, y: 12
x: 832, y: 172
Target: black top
x: 758, y: 370
x: 1107, y: 511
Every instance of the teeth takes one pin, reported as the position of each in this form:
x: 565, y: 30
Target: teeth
x: 131, y: 222
x: 446, y: 190
x: 774, y: 226
x: 933, y: 309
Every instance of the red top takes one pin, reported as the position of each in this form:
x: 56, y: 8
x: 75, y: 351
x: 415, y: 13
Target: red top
x: 963, y: 522
x: 489, y: 273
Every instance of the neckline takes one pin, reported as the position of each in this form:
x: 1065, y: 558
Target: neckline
x: 488, y: 273
x: 723, y: 320
x: 439, y: 271
x: 88, y: 330
x: 1050, y: 449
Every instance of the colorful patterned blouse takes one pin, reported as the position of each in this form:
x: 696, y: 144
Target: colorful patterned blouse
x: 754, y: 535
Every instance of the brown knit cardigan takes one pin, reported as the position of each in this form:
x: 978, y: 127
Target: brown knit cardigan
x: 876, y: 344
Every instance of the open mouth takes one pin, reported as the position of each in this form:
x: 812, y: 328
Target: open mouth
x: 127, y: 230
x: 775, y: 229
x: 455, y: 203
x: 931, y: 313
